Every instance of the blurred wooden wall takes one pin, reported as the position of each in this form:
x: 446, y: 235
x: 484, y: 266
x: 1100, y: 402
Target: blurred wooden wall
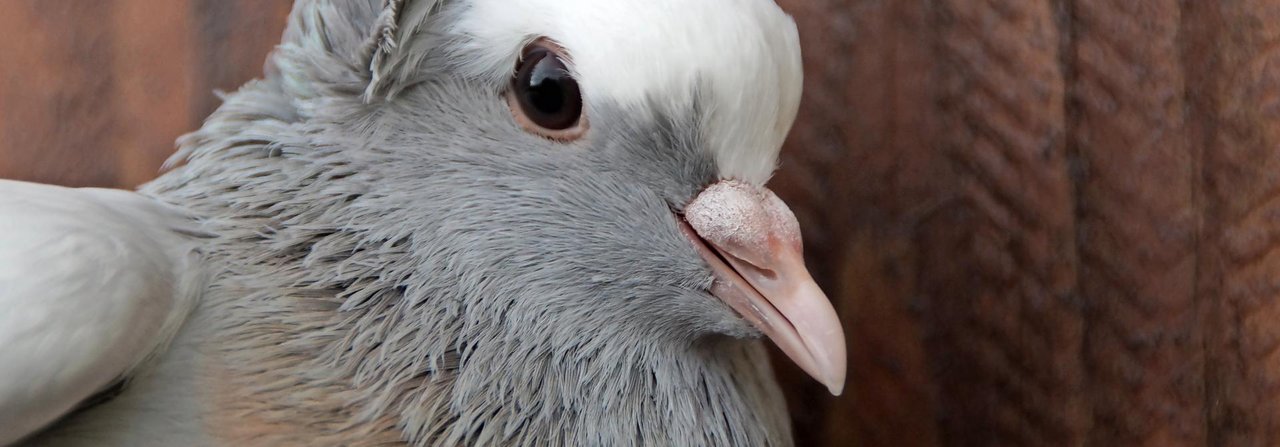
x: 1044, y: 222
x: 94, y: 92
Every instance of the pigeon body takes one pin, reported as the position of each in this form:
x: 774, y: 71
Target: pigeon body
x: 387, y: 255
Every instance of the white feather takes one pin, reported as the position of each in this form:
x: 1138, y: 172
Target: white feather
x: 92, y: 284
x: 740, y: 58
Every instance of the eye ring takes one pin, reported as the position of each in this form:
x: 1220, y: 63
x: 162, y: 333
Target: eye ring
x: 544, y: 97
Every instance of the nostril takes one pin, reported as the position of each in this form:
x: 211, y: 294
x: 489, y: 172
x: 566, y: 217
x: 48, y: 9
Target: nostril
x: 742, y: 265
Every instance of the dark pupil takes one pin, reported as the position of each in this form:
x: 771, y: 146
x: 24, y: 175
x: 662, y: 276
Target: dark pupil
x: 548, y: 94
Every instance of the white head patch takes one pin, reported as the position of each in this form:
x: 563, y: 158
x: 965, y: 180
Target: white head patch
x: 741, y: 58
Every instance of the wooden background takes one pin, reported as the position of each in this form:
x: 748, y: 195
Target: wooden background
x: 1045, y: 222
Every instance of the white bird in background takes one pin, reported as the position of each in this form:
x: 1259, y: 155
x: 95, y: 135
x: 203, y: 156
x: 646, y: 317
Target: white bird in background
x: 495, y: 222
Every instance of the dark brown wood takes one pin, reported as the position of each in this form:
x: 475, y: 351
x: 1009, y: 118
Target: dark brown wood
x: 1008, y: 327
x: 1236, y: 74
x: 1044, y: 222
x: 1138, y: 224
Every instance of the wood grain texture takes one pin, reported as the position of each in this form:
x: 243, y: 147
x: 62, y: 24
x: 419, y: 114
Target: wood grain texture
x: 1044, y: 222
x: 1137, y: 224
x: 1238, y: 69
x: 1008, y: 325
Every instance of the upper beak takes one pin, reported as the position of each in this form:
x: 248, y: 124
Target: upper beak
x: 752, y: 241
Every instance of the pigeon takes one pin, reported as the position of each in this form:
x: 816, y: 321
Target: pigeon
x: 439, y: 222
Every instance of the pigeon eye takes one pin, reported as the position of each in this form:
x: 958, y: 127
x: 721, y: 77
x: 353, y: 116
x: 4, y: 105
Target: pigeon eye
x: 544, y: 96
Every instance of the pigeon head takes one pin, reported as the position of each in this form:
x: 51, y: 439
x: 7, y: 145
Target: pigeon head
x: 556, y: 189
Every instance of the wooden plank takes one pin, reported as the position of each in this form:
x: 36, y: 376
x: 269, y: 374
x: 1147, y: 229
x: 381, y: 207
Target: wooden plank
x: 998, y: 271
x: 155, y: 74
x: 1236, y: 71
x: 1136, y: 186
x: 60, y: 122
x: 107, y: 87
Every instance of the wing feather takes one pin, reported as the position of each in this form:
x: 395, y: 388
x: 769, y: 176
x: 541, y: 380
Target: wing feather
x: 92, y: 283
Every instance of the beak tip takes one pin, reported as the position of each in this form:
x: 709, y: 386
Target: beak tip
x: 835, y: 381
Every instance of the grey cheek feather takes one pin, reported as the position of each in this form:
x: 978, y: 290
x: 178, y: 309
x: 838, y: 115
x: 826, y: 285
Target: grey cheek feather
x: 586, y: 226
x: 472, y: 281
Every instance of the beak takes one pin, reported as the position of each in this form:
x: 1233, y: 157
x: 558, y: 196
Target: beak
x: 752, y: 241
